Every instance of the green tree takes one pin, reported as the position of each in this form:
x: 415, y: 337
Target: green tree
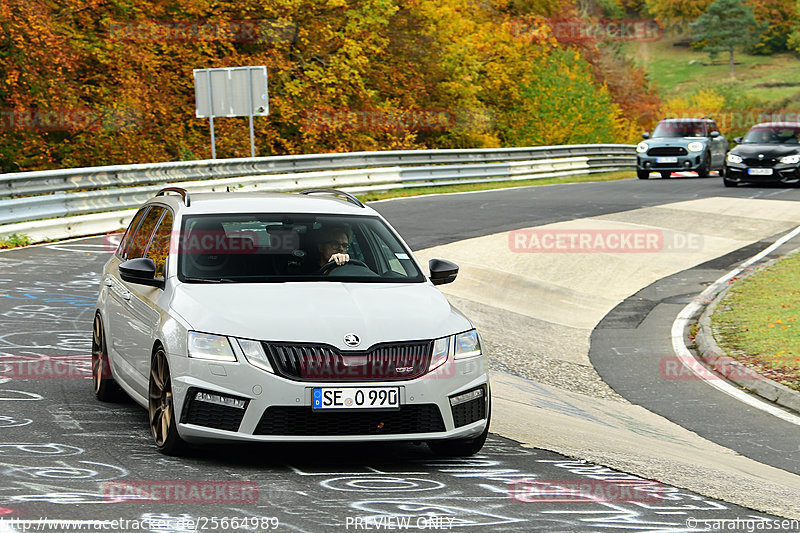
x: 726, y: 25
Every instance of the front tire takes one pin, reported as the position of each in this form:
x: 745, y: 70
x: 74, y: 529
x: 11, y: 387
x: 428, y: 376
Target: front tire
x: 642, y: 174
x: 105, y: 388
x: 705, y: 168
x: 666, y: 175
x: 729, y: 183
x: 161, y: 408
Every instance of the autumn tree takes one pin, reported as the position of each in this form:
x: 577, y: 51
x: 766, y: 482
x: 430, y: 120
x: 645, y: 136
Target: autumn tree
x: 726, y: 25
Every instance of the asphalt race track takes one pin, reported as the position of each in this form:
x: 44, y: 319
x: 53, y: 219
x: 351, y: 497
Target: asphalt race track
x: 66, y: 457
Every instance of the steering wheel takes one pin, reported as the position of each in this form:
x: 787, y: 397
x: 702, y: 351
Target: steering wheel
x: 330, y: 265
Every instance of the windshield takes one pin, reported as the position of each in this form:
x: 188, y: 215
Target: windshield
x: 253, y: 248
x: 772, y: 135
x: 679, y: 128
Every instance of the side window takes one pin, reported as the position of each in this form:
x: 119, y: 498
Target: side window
x: 158, y: 250
x: 713, y: 126
x: 139, y: 240
x: 125, y: 243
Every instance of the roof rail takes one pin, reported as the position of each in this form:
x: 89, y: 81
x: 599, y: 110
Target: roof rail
x: 335, y: 192
x: 184, y: 194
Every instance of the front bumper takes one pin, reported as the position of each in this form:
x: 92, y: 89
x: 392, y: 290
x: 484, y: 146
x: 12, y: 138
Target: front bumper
x: 679, y: 163
x: 279, y: 410
x: 781, y: 173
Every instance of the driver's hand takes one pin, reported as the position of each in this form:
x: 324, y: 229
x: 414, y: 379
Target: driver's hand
x: 340, y: 259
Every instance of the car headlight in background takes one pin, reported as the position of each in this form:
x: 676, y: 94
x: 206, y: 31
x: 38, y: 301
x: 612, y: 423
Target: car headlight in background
x: 695, y: 146
x: 790, y: 159
x: 642, y: 148
x: 254, y: 353
x: 211, y: 347
x: 733, y: 158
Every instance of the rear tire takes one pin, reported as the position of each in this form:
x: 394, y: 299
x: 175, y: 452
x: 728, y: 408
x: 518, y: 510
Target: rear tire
x: 105, y: 388
x: 642, y: 174
x: 161, y: 408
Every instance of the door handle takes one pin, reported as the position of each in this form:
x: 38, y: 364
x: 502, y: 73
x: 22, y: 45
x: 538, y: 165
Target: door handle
x: 126, y: 295
x: 108, y: 282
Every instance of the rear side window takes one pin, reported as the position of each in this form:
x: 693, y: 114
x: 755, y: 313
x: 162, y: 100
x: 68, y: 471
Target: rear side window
x: 141, y: 237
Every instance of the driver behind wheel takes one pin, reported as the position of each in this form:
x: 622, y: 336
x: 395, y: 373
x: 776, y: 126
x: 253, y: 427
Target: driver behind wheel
x: 334, y: 245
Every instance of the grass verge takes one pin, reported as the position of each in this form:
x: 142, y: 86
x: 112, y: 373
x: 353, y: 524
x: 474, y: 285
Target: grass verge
x: 15, y: 241
x: 758, y: 321
x: 417, y: 191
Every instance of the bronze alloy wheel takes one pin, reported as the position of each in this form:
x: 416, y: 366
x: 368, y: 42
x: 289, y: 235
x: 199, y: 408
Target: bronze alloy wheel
x: 161, y: 407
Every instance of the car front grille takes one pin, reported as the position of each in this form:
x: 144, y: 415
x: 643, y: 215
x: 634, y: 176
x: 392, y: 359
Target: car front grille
x: 324, y: 363
x: 667, y: 150
x: 291, y: 420
x: 767, y: 162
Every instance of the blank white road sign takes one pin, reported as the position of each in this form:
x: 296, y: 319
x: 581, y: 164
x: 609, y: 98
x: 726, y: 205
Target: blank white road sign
x: 231, y: 92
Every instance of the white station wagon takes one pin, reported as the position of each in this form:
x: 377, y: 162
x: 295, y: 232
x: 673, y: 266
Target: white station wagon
x: 285, y: 317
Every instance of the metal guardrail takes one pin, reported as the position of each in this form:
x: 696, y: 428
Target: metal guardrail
x: 34, y: 196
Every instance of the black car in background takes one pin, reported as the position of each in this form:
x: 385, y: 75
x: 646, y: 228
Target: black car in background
x: 681, y: 144
x: 769, y: 153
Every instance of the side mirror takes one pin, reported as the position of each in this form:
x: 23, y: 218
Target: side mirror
x: 141, y: 270
x: 714, y: 134
x: 645, y: 135
x: 442, y: 271
x: 737, y: 140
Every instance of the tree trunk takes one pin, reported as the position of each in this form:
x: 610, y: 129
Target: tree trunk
x: 730, y: 52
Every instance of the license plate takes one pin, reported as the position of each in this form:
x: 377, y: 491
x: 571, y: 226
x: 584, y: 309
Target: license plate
x: 355, y: 398
x: 759, y: 171
x: 666, y: 159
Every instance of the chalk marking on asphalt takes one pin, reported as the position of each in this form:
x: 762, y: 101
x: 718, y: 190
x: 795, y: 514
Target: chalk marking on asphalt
x: 688, y: 360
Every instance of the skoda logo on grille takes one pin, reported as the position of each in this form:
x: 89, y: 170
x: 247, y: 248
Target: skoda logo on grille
x: 761, y: 156
x: 351, y: 339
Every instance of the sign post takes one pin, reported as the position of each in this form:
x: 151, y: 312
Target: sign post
x: 231, y: 92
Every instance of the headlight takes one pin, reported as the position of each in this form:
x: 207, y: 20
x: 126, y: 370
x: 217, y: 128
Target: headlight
x: 441, y: 348
x: 213, y: 347
x: 695, y: 146
x: 641, y: 148
x: 790, y: 159
x: 255, y: 355
x: 733, y: 158
x: 467, y: 345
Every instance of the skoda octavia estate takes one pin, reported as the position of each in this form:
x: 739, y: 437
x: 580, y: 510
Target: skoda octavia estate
x: 285, y: 317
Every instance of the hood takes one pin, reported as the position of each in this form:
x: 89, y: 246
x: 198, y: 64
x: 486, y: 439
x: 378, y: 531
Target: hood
x: 752, y: 150
x: 674, y: 141
x: 319, y: 311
